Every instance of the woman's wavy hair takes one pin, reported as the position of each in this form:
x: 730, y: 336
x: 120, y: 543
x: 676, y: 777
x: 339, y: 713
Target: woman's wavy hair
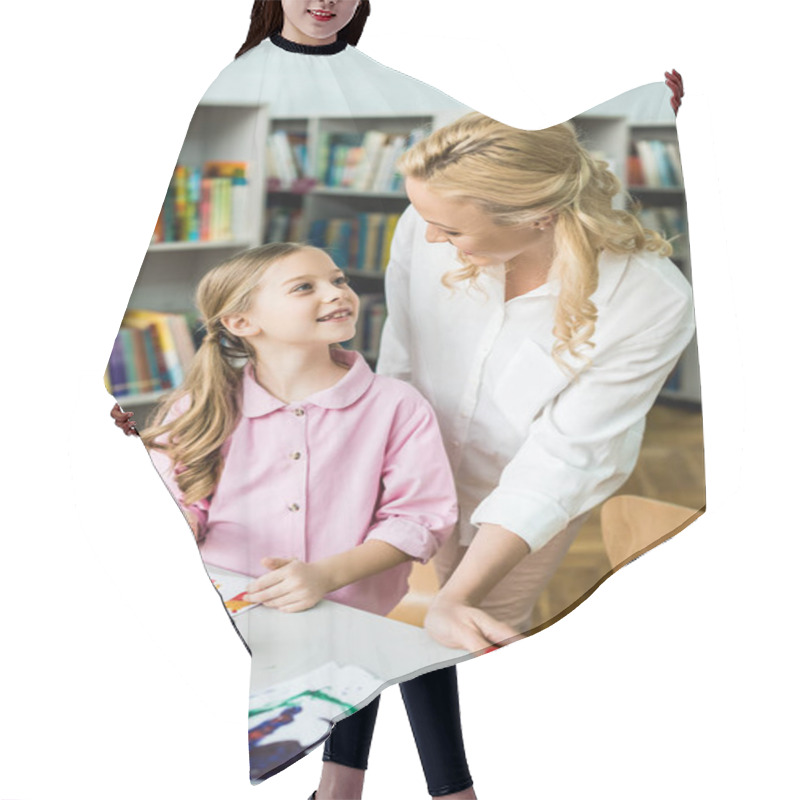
x: 266, y: 19
x: 194, y: 439
x: 519, y: 176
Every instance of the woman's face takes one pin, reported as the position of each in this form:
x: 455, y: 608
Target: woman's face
x: 473, y: 232
x: 316, y: 22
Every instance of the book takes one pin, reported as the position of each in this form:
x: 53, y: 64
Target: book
x: 164, y: 340
x: 357, y: 243
x: 205, y: 204
x: 116, y: 374
x: 152, y: 352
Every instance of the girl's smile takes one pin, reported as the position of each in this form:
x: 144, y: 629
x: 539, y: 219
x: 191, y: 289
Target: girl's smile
x: 302, y: 300
x: 337, y: 316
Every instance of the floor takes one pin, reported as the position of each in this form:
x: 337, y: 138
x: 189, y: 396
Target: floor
x: 670, y: 468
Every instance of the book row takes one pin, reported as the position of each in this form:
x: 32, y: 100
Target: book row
x: 670, y: 222
x: 371, y: 317
x: 204, y: 204
x: 152, y: 352
x: 654, y: 163
x: 361, y: 242
x: 361, y: 162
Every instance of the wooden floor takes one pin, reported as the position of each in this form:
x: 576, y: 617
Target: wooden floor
x: 670, y: 468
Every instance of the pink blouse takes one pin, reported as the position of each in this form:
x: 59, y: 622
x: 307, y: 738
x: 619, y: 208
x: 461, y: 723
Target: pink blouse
x: 360, y: 460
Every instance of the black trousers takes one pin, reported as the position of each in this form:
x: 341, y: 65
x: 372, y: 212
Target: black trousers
x: 431, y: 702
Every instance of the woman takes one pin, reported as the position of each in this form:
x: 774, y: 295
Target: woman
x: 541, y: 323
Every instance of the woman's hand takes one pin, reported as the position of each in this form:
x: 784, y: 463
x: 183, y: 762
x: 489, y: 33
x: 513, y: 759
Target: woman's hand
x: 290, y: 585
x: 457, y: 624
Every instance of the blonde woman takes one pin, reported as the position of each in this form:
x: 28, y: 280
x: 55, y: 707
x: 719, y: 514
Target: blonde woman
x: 541, y: 323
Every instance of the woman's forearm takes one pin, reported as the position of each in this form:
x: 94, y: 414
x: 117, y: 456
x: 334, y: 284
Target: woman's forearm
x: 492, y: 554
x: 360, y: 562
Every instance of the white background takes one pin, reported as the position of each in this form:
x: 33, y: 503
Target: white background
x: 120, y: 678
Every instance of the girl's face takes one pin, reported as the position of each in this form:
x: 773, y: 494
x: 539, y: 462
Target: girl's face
x: 315, y: 22
x: 303, y: 299
x: 473, y: 232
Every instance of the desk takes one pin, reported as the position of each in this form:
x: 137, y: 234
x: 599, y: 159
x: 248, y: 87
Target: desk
x: 286, y: 647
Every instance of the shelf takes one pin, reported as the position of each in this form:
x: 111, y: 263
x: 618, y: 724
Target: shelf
x: 362, y: 273
x: 338, y: 191
x: 145, y: 399
x: 175, y: 247
x: 676, y: 190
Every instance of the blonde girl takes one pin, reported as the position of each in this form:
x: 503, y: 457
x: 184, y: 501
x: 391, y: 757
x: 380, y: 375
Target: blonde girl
x: 540, y: 322
x: 294, y: 463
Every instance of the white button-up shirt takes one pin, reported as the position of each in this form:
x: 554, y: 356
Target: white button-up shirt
x: 531, y: 446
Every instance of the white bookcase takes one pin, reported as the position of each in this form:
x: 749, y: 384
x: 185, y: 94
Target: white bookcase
x: 171, y: 270
x: 611, y: 136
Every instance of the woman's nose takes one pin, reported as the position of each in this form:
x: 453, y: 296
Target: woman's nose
x: 434, y: 234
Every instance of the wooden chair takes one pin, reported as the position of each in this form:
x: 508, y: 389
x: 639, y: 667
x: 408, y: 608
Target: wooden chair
x: 632, y: 525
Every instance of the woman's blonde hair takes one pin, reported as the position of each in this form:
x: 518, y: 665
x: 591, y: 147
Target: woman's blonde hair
x: 518, y: 176
x: 194, y: 439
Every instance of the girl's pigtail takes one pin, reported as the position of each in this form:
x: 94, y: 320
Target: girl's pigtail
x: 194, y: 440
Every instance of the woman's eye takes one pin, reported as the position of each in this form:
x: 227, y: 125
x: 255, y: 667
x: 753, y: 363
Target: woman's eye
x: 451, y: 233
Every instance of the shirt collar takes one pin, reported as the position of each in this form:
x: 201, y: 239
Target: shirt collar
x: 258, y: 402
x: 309, y: 50
x: 611, y: 268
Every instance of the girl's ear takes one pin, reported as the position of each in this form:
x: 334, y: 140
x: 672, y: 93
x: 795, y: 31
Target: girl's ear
x: 240, y: 326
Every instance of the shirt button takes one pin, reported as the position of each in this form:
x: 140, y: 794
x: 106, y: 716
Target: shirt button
x: 294, y: 456
x: 299, y: 412
x: 294, y: 507
x: 455, y: 443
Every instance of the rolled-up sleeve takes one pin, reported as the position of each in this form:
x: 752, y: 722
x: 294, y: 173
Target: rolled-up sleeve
x: 585, y: 442
x: 417, y: 507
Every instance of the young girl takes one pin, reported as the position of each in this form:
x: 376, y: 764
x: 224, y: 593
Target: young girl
x: 254, y: 452
x: 255, y: 443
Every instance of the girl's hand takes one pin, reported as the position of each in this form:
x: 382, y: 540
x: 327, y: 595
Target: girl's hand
x: 456, y: 624
x: 290, y: 585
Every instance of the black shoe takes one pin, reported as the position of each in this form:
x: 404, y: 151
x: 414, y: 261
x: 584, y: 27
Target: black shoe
x: 314, y: 794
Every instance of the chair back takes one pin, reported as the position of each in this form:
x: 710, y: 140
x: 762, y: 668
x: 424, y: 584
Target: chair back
x: 632, y: 525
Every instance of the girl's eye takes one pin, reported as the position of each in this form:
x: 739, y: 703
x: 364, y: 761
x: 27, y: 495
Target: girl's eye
x: 342, y: 280
x: 302, y: 287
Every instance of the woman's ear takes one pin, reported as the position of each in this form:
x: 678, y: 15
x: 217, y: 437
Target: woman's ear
x: 542, y: 223
x: 239, y: 325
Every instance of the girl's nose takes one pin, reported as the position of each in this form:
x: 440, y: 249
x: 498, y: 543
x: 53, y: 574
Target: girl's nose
x: 434, y: 234
x: 334, y: 293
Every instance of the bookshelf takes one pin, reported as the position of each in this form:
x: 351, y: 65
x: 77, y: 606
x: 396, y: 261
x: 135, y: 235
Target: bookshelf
x: 171, y: 269
x: 661, y: 203
x: 285, y: 205
x: 304, y: 190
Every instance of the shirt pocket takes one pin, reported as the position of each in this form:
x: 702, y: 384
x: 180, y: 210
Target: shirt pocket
x: 530, y: 381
